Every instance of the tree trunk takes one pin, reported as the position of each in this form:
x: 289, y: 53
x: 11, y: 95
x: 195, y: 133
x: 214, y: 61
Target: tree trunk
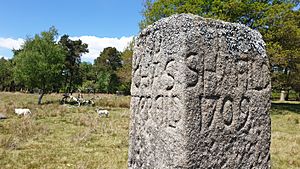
x: 287, y: 95
x: 70, y: 82
x: 40, y: 97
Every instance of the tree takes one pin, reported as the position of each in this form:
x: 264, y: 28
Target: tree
x: 109, y: 59
x: 88, y: 75
x: 87, y: 71
x: 283, y: 42
x: 106, y: 66
x: 103, y: 81
x: 124, y: 72
x: 252, y: 13
x: 6, y: 74
x: 277, y: 21
x: 296, y: 81
x: 74, y: 49
x: 39, y: 63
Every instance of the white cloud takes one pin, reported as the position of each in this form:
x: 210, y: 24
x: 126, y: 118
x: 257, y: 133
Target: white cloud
x: 10, y: 43
x: 96, y: 45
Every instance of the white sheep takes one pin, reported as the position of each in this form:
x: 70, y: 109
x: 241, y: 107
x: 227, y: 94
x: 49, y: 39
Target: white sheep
x: 102, y: 112
x: 22, y: 111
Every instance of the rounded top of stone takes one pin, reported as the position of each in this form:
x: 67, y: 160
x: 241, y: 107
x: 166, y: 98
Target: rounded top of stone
x: 185, y: 22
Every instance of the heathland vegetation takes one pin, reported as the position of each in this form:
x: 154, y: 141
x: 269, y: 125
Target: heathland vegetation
x: 63, y: 136
x: 59, y: 136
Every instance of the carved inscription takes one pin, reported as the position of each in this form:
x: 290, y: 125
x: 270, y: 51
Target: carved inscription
x: 200, y: 96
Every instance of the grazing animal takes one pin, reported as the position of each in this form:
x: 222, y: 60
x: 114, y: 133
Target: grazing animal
x: 88, y: 102
x: 120, y: 93
x: 22, y: 111
x: 79, y: 100
x: 102, y: 112
x: 2, y: 116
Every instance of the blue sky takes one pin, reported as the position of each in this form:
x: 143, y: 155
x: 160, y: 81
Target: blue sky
x: 109, y: 22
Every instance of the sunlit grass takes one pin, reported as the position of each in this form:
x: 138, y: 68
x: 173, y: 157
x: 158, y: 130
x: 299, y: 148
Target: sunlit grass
x: 285, y: 145
x: 59, y: 136
x: 64, y: 136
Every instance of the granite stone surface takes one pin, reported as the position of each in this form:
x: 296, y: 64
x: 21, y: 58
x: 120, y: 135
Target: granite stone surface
x: 200, y: 96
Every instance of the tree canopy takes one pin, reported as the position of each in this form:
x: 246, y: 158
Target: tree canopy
x: 6, y: 74
x: 124, y: 72
x: 109, y: 59
x: 39, y: 62
x: 50, y: 65
x: 283, y: 43
x: 253, y: 13
x: 106, y: 66
x: 277, y: 20
x: 74, y: 49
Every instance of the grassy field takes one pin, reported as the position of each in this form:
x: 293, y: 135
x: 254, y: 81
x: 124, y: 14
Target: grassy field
x: 285, y: 145
x: 58, y: 136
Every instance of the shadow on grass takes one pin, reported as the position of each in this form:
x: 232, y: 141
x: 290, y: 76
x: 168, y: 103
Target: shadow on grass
x: 281, y: 108
x: 51, y: 102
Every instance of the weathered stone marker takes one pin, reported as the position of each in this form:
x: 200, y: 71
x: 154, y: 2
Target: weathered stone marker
x: 200, y: 96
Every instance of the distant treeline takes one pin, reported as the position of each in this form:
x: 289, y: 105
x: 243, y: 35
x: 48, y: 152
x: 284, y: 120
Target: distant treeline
x: 278, y: 21
x: 46, y: 65
x: 53, y: 66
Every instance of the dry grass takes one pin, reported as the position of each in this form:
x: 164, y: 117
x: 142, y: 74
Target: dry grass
x: 58, y: 136
x: 113, y: 101
x: 285, y: 145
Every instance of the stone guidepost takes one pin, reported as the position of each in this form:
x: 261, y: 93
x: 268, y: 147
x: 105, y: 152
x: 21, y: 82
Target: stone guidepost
x: 200, y: 96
